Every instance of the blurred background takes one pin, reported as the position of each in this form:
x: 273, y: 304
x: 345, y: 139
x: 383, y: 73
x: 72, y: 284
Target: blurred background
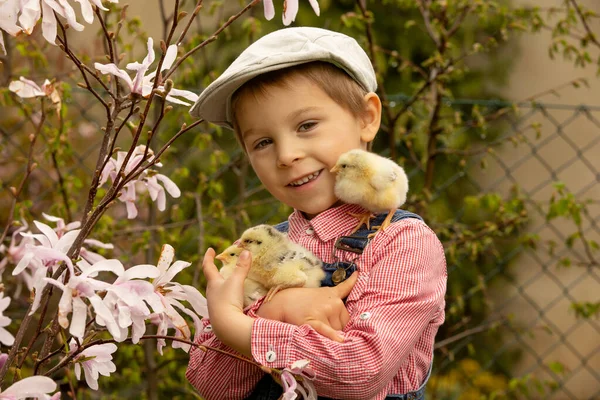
x: 493, y: 109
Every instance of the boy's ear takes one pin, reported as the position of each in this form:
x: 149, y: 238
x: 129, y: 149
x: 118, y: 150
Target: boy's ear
x: 371, y: 120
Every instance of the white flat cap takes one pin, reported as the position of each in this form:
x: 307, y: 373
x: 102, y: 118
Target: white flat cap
x: 282, y: 49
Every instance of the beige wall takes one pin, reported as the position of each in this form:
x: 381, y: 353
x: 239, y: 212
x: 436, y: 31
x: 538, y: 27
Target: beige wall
x: 543, y: 284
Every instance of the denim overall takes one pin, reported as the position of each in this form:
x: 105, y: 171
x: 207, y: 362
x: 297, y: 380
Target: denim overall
x: 267, y: 388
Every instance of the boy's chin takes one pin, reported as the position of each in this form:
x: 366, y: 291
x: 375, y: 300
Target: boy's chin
x: 309, y: 214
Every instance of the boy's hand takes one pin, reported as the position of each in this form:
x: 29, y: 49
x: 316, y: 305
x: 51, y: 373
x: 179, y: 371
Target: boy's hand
x: 225, y: 295
x: 322, y: 308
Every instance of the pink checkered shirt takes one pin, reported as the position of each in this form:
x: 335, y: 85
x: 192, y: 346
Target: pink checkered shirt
x: 396, y: 307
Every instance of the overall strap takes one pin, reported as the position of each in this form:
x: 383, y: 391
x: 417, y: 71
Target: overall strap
x: 338, y: 271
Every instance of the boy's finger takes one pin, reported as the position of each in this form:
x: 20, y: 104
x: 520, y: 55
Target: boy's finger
x: 345, y: 287
x: 243, y: 264
x: 325, y: 330
x: 208, y: 265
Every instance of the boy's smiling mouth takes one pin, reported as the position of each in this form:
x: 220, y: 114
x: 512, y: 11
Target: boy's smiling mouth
x: 305, y: 179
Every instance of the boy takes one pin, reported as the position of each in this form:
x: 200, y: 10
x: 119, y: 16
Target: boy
x: 297, y: 99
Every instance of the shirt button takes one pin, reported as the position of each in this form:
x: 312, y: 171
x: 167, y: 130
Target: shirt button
x: 208, y: 328
x: 365, y: 316
x: 310, y: 231
x: 271, y: 356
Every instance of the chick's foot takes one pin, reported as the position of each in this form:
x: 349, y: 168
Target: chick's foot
x: 386, y: 222
x: 364, y: 218
x: 271, y: 293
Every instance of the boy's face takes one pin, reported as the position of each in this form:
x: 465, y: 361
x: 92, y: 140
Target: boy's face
x: 294, y: 135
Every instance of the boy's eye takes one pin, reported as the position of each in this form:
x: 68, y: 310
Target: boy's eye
x: 262, y: 143
x: 306, y: 126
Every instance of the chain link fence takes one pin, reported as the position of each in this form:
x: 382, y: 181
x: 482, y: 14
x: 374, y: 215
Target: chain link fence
x: 530, y: 288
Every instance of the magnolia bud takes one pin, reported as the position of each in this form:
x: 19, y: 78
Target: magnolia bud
x: 13, y: 190
x: 181, y: 15
x: 168, y: 86
x: 31, y: 137
x: 163, y: 46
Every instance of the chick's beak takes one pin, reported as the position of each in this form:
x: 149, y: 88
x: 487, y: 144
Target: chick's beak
x: 335, y: 169
x: 220, y: 257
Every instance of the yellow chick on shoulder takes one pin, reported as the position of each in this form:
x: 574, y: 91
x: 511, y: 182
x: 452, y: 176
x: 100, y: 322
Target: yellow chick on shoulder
x: 253, y: 290
x: 279, y: 263
x: 371, y: 181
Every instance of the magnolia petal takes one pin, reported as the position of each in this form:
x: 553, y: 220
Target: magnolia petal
x: 32, y: 386
x: 91, y: 376
x: 155, y: 302
x: 97, y: 243
x: 167, y: 253
x: 315, y: 6
x: 78, y: 319
x: 4, y: 302
x: 196, y: 300
x: 6, y: 338
x: 176, y: 268
x: 291, y: 9
x: 39, y: 283
x: 103, y: 311
x: 131, y: 209
x: 269, y: 10
x: 170, y: 57
x: 9, y: 10
x: 49, y: 232
x: 49, y: 24
x: 112, y: 69
x: 186, y: 94
x: 66, y: 241
x: 25, y: 88
x: 86, y: 10
x: 111, y: 265
x: 141, y: 271
x: 23, y: 263
x: 169, y: 185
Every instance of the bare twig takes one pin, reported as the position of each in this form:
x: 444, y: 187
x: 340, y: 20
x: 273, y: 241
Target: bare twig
x: 469, y: 332
x: 211, y: 39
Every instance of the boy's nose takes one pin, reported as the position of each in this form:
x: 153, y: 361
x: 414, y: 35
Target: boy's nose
x: 288, y: 154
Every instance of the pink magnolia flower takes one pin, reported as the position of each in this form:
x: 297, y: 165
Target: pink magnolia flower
x: 95, y: 361
x: 15, y: 251
x: 51, y: 251
x: 126, y: 299
x: 83, y: 286
x: 148, y: 179
x: 168, y: 296
x: 6, y: 337
x: 305, y: 386
x: 26, y: 89
x: 36, y: 387
x: 142, y: 84
x: 9, y: 12
x: 290, y: 10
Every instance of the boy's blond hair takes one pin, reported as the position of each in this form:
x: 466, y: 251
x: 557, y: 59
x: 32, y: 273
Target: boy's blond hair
x: 335, y: 82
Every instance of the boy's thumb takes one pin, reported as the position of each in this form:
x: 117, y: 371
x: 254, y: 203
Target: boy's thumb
x: 243, y: 263
x: 345, y: 287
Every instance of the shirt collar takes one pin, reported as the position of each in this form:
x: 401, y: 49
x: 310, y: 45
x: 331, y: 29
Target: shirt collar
x: 330, y: 224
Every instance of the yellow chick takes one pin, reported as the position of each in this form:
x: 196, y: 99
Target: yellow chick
x: 279, y: 263
x: 371, y: 181
x: 253, y: 290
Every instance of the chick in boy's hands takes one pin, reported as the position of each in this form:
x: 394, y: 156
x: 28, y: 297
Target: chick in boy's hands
x: 253, y: 290
x: 277, y: 263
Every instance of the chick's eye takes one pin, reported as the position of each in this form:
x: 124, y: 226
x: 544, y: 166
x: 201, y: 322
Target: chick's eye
x: 232, y: 254
x: 344, y: 165
x: 258, y: 242
x: 307, y: 126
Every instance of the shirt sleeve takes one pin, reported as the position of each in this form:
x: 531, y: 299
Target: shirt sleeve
x: 391, y: 306
x: 218, y: 376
